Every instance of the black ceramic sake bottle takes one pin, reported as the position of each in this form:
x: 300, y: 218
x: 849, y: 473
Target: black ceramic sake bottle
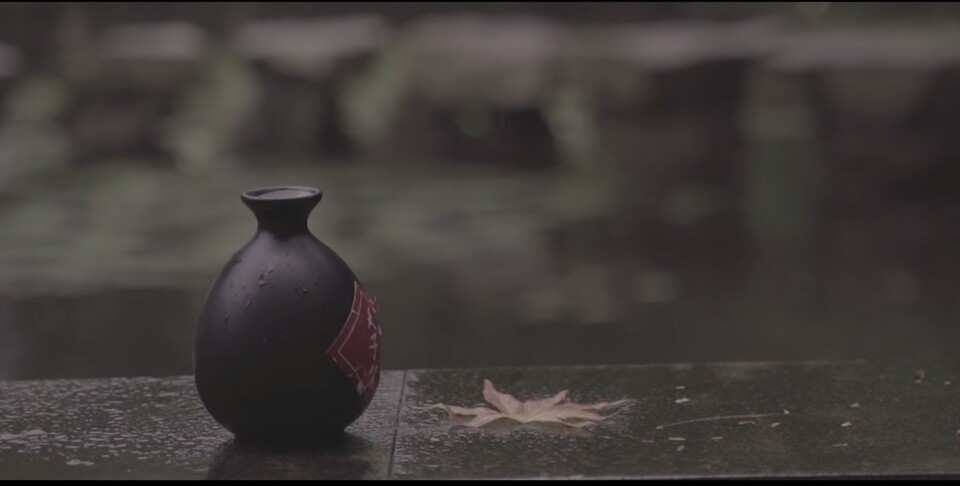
x: 288, y: 343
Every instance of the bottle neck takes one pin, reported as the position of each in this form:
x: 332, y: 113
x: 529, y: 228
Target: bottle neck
x: 281, y: 226
x: 282, y: 211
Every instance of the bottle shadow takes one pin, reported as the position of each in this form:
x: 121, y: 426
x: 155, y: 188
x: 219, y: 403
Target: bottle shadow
x: 344, y: 457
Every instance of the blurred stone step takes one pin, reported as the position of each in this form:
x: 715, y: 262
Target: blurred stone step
x: 302, y: 67
x: 475, y: 90
x: 669, y: 89
x: 882, y: 101
x: 668, y: 100
x: 140, y: 73
x: 33, y: 29
x: 883, y: 98
x: 9, y: 70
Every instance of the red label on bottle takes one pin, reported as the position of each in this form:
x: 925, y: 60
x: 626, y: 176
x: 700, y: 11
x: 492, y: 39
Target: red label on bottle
x: 357, y: 349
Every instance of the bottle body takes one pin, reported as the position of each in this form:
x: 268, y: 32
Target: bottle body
x: 268, y: 355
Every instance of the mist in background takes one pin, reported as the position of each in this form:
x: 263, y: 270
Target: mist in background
x: 518, y: 183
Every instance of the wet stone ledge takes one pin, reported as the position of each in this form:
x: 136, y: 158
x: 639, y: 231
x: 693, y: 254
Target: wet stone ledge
x: 801, y: 420
x: 156, y: 428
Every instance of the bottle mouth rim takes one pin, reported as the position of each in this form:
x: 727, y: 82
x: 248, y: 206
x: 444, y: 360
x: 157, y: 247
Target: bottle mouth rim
x: 281, y: 193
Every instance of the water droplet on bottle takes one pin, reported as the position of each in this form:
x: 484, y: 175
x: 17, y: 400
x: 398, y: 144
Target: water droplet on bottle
x: 271, y: 268
x: 226, y: 317
x: 247, y: 304
x: 261, y: 282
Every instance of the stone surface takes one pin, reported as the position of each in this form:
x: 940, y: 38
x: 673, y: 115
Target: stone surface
x: 152, y: 56
x: 750, y: 420
x: 508, y: 62
x: 673, y: 45
x: 821, y: 420
x: 313, y: 48
x: 849, y: 48
x: 156, y: 428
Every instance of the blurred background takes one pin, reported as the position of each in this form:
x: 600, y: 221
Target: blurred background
x: 519, y: 183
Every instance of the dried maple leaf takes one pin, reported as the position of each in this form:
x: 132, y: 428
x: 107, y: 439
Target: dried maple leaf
x: 555, y: 409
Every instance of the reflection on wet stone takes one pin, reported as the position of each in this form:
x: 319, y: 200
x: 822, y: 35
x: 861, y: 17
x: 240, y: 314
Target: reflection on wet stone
x: 350, y: 457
